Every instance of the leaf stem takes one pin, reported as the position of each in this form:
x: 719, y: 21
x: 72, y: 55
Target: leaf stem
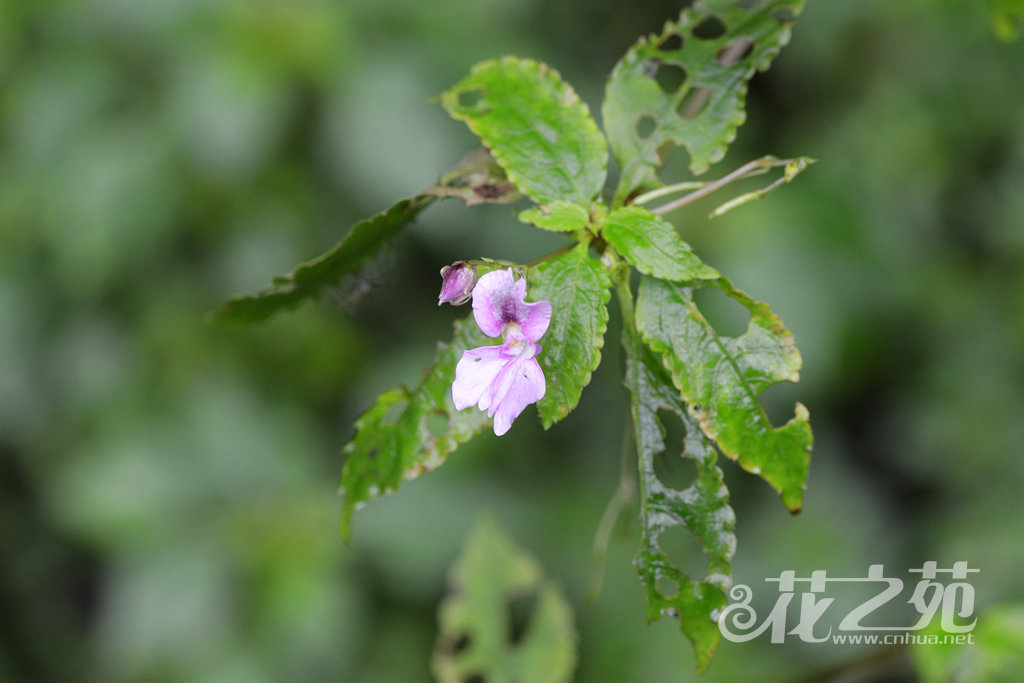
x: 747, y: 170
x: 792, y: 169
x: 634, y: 348
x: 620, y: 500
x: 491, y: 263
x: 628, y: 482
x: 890, y: 663
x: 556, y: 253
x: 667, y: 190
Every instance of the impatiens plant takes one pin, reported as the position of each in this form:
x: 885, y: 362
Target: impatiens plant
x: 683, y: 87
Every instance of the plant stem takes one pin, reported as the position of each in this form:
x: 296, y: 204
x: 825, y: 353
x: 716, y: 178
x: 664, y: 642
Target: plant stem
x: 558, y: 252
x: 892, y: 663
x: 628, y: 481
x: 744, y: 198
x: 747, y: 170
x: 620, y: 500
x: 792, y: 170
x: 667, y: 190
x: 490, y: 264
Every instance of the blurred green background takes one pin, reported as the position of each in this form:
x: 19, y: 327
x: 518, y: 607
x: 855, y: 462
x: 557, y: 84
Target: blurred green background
x: 168, y: 486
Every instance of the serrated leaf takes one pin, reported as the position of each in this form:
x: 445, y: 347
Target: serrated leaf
x: 652, y: 244
x: 559, y: 216
x: 577, y: 286
x: 409, y: 431
x: 721, y: 378
x: 536, y: 127
x: 312, y: 277
x: 474, y: 642
x: 702, y: 508
x: 476, y: 179
x: 643, y: 120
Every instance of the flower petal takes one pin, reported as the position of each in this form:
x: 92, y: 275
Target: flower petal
x: 499, y: 300
x: 476, y: 371
x: 513, y: 352
x: 495, y: 298
x: 526, y: 385
x: 535, y: 319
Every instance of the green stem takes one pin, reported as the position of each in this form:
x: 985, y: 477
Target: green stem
x: 492, y: 264
x: 747, y: 170
x: 619, y: 502
x: 667, y: 190
x: 890, y: 663
x: 792, y: 169
x: 628, y: 482
x: 634, y: 350
x: 558, y: 252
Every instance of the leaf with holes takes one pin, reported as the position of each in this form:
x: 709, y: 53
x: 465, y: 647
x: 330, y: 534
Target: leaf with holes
x: 475, y: 642
x: 577, y: 286
x: 535, y: 126
x: 559, y: 216
x: 476, y: 179
x: 687, y: 86
x: 721, y: 378
x: 702, y: 508
x: 409, y: 431
x: 650, y: 243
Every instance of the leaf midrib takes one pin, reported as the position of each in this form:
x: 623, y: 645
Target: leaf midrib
x: 691, y: 307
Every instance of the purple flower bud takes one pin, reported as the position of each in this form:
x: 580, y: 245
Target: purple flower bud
x: 459, y: 279
x: 503, y: 380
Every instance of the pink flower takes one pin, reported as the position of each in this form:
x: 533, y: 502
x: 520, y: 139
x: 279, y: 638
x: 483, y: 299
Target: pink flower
x: 503, y: 380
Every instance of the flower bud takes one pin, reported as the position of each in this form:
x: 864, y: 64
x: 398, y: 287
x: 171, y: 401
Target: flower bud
x: 459, y: 280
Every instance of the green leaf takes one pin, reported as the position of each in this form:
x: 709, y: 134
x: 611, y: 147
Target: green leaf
x: 702, y: 508
x: 577, y: 285
x: 312, y: 277
x: 559, y: 216
x: 995, y: 653
x: 535, y: 126
x: 475, y: 642
x: 409, y: 431
x: 646, y: 113
x: 476, y: 179
x: 1006, y: 16
x: 722, y: 377
x: 650, y: 243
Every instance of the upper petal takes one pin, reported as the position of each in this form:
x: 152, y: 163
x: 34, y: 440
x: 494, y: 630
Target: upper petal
x: 496, y: 298
x: 475, y: 373
x: 535, y: 319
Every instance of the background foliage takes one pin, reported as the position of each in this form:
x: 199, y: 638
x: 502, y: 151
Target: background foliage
x: 168, y: 486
